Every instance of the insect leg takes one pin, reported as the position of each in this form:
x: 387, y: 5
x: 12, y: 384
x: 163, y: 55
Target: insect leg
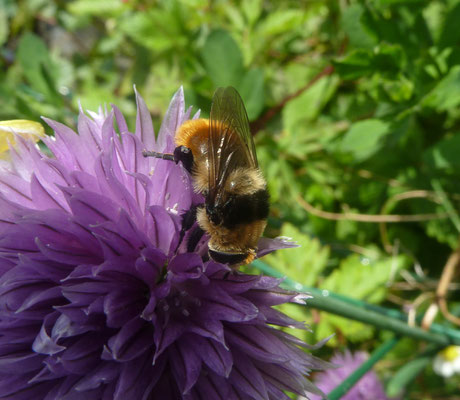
x: 188, y: 219
x: 194, y: 238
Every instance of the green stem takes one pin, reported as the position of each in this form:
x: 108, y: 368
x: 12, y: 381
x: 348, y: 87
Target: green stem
x: 434, y: 327
x: 327, y: 301
x: 357, y: 374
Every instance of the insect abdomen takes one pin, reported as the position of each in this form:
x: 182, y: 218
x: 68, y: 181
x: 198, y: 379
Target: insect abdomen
x: 245, y: 209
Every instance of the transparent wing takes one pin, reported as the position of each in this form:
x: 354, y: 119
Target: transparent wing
x: 230, y: 143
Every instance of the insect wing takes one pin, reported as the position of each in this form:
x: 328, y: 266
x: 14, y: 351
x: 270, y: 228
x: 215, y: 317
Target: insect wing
x: 230, y: 145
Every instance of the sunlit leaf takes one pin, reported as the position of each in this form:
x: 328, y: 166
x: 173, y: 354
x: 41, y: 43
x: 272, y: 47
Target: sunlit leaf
x: 303, y: 264
x: 446, y: 94
x: 364, y: 138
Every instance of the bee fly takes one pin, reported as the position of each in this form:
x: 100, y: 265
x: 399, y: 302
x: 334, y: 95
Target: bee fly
x: 220, y: 155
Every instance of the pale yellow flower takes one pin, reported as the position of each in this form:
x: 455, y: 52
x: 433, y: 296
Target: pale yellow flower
x: 447, y: 362
x: 27, y: 129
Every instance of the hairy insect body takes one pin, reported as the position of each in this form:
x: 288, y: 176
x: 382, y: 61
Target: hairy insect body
x: 237, y: 219
x: 219, y: 153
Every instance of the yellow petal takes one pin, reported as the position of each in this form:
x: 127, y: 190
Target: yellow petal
x: 27, y: 129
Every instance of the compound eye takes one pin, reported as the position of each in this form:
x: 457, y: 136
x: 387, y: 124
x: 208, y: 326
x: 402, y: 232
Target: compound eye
x: 184, y: 155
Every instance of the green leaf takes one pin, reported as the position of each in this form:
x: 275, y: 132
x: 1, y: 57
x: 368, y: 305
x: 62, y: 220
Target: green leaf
x: 364, y: 138
x: 444, y: 154
x: 355, y: 65
x: 308, y: 105
x: 36, y: 64
x: 354, y: 331
x: 450, y: 34
x: 303, y: 264
x: 156, y: 29
x: 389, y: 59
x: 446, y: 94
x: 359, y: 35
x: 362, y: 277
x: 252, y: 92
x: 222, y: 59
x: 399, y: 90
x: 280, y: 21
x: 252, y: 10
x: 103, y: 8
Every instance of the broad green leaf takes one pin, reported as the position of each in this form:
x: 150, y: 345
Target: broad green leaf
x: 364, y: 138
x: 303, y: 264
x: 252, y: 91
x: 446, y: 94
x: 222, y: 59
x: 330, y: 324
x: 362, y: 277
x: 354, y: 331
x: 308, y: 105
x: 36, y: 64
x: 360, y: 36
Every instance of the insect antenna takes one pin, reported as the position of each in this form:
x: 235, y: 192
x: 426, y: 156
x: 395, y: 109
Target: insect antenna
x: 164, y: 156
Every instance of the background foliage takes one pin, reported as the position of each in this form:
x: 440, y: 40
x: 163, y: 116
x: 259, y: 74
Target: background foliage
x: 355, y: 110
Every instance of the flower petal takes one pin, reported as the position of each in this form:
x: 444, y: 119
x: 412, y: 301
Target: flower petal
x: 144, y: 126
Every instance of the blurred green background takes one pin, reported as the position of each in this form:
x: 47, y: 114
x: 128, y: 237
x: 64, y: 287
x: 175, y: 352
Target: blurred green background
x: 355, y: 110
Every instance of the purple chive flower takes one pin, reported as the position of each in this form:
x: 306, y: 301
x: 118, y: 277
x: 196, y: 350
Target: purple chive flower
x: 98, y: 297
x: 368, y: 387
